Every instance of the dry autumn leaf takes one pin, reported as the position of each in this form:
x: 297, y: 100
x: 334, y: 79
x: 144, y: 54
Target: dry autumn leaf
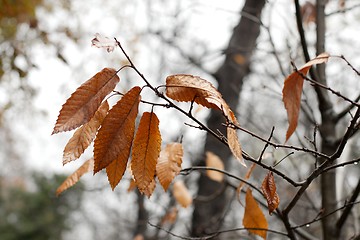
x: 170, y: 216
x: 254, y: 218
x: 181, y: 194
x: 247, y: 176
x: 83, y: 136
x: 214, y: 161
x: 169, y: 163
x: 132, y: 185
x: 292, y: 91
x: 149, y: 189
x: 114, y: 139
x: 268, y: 188
x: 75, y: 177
x: 84, y: 102
x: 188, y: 88
x: 234, y: 144
x: 103, y: 42
x: 146, y: 150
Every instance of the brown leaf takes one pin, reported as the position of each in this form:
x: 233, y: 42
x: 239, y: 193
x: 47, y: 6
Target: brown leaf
x: 170, y: 216
x: 132, y: 185
x: 254, y: 217
x: 268, y: 188
x: 75, y: 177
x: 214, y: 161
x: 247, y: 176
x: 103, y: 42
x: 169, y: 164
x: 292, y: 91
x: 181, y: 194
x: 308, y: 12
x: 149, y: 189
x: 83, y: 103
x: 234, y: 144
x: 83, y: 136
x: 114, y: 139
x: 146, y: 150
x: 188, y: 88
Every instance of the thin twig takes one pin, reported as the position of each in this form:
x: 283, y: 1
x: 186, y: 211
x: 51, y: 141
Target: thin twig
x: 187, y: 171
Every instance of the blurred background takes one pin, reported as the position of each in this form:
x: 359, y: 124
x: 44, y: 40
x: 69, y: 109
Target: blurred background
x: 46, y: 53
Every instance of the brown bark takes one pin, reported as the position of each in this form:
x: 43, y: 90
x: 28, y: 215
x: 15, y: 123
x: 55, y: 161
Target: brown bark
x: 212, y: 196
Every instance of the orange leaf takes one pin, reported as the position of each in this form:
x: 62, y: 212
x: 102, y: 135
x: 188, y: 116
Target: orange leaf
x: 75, y: 177
x: 268, y: 188
x: 83, y: 103
x: 247, y: 176
x: 149, y: 189
x: 214, y: 161
x: 83, y: 136
x: 146, y: 150
x: 254, y: 218
x: 169, y: 164
x: 234, y: 144
x: 181, y: 194
x: 188, y: 88
x: 132, y: 185
x: 292, y: 91
x: 113, y: 141
x: 170, y: 216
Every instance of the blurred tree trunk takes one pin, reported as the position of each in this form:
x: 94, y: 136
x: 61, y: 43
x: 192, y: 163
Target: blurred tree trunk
x: 212, y: 198
x: 328, y: 133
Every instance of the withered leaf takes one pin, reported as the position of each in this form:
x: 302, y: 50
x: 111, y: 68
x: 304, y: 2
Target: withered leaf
x: 213, y: 161
x: 181, y: 194
x: 75, y: 177
x: 146, y: 150
x: 169, y: 164
x: 83, y: 103
x: 103, y: 42
x: 254, y: 217
x: 268, y: 188
x: 114, y: 139
x: 292, y: 92
x: 83, y: 136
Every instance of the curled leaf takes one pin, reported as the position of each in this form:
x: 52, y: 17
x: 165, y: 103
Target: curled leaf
x: 189, y: 88
x: 268, y: 188
x: 292, y: 92
x: 85, y: 101
x: 103, y: 42
x: 169, y: 163
x: 234, y: 144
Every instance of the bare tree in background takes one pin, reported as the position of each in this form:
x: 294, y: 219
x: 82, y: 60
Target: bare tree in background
x: 213, y: 199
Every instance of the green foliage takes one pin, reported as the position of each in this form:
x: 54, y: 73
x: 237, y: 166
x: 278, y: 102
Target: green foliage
x: 35, y: 212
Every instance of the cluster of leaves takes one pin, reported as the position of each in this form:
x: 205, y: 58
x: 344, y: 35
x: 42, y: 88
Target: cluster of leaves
x: 113, y: 133
x: 114, y: 129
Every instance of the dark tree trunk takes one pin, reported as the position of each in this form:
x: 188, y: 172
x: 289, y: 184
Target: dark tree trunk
x: 212, y: 201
